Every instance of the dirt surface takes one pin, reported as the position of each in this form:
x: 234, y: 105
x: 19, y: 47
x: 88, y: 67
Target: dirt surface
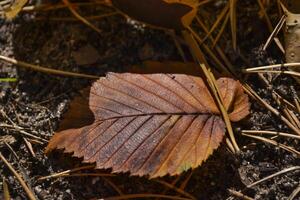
x: 36, y: 102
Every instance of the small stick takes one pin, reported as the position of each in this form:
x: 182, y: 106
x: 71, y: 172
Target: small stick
x: 29, y: 193
x: 45, y: 69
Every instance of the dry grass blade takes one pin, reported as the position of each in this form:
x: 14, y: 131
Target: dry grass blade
x: 274, y: 175
x: 232, y: 11
x: 216, y: 92
x: 67, y: 172
x: 79, y: 17
x: 29, y: 193
x: 273, y: 142
x: 140, y: 196
x: 212, y: 83
x: 294, y: 193
x: 178, y: 190
x: 273, y: 133
x: 5, y: 190
x: 44, y: 69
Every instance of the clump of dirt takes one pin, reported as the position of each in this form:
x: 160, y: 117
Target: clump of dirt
x: 36, y: 102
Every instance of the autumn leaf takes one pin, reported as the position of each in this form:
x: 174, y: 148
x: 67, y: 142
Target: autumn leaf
x: 172, y: 14
x: 149, y: 124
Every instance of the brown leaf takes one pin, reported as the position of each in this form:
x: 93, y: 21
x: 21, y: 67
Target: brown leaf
x: 172, y: 14
x: 151, y: 124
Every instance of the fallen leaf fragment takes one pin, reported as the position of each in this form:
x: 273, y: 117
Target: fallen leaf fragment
x: 149, y: 124
x: 171, y: 14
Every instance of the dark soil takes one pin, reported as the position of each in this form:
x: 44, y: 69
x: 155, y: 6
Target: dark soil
x: 37, y: 102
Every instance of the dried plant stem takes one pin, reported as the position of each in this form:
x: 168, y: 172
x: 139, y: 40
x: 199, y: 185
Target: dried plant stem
x: 29, y: 193
x: 282, y: 146
x: 274, y: 133
x: 79, y: 17
x: 44, y: 69
x: 295, y: 168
